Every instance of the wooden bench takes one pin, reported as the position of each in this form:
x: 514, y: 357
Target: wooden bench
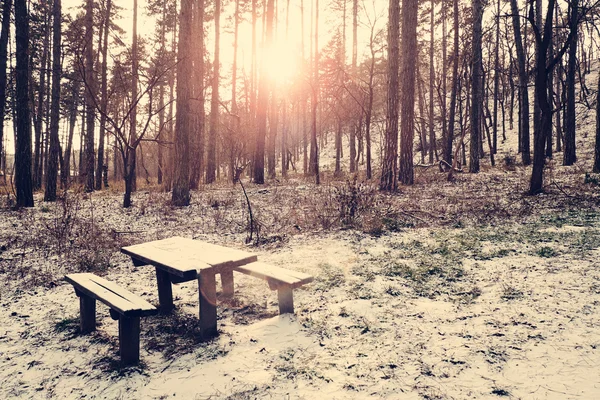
x: 280, y: 279
x: 124, y: 306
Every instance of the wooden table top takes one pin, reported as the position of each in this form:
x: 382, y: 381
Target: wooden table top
x: 187, y: 257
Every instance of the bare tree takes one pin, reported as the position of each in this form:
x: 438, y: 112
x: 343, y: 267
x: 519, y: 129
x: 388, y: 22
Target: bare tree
x: 52, y: 174
x: 181, y: 181
x: 23, y: 181
x: 476, y: 87
x: 389, y: 172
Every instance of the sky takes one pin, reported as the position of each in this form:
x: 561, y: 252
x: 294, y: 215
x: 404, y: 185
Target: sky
x: 283, y: 59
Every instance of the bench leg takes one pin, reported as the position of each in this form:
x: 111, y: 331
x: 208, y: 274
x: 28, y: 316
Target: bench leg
x: 227, y: 283
x: 165, y: 291
x: 207, y: 289
x: 129, y: 340
x: 285, y: 295
x: 87, y: 313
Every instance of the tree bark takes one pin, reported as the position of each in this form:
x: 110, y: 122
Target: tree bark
x: 181, y: 181
x: 89, y: 96
x: 211, y: 164
x: 389, y: 173
x: 570, y: 154
x: 104, y: 101
x: 524, y: 147
x: 261, y: 109
x: 454, y: 93
x: 6, y: 7
x: 409, y: 50
x: 52, y: 173
x: 23, y: 181
x: 432, y: 147
x: 476, y: 87
x: 314, y: 149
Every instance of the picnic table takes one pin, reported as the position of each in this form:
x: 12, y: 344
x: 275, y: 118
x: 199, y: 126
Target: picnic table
x: 179, y: 259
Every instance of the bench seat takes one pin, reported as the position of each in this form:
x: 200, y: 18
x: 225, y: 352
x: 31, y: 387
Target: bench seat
x: 280, y: 279
x: 124, y: 306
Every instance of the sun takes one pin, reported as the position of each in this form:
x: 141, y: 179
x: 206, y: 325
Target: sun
x: 281, y: 62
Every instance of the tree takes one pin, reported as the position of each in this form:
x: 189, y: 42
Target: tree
x: 104, y: 93
x: 181, y: 181
x: 523, y: 93
x: 23, y: 179
x: 314, y: 147
x: 409, y: 50
x: 90, y: 94
x: 211, y: 162
x: 261, y: 109
x: 52, y: 174
x: 131, y: 179
x: 39, y: 116
x: 432, y: 147
x: 476, y: 87
x: 454, y: 91
x: 597, y: 145
x: 570, y: 154
x: 389, y: 172
x: 4, y: 32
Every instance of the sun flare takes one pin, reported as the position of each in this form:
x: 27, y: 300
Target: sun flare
x: 281, y: 62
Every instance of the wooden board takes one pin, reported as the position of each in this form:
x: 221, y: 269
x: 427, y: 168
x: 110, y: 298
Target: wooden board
x: 270, y: 272
x: 109, y: 293
x: 184, y: 257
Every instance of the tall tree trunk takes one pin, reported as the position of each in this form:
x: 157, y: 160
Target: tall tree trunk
x: 6, y: 7
x: 39, y: 119
x: 494, y: 146
x: 476, y: 87
x: 181, y: 181
x: 389, y: 172
x: 211, y: 164
x: 597, y: 144
x: 131, y: 165
x: 409, y: 50
x: 263, y: 98
x: 52, y: 173
x: 65, y: 171
x: 454, y: 93
x: 524, y: 147
x: 570, y: 155
x: 541, y: 93
x: 432, y: 146
x: 314, y: 149
x: 444, y: 90
x: 90, y: 92
x: 354, y: 130
x: 23, y: 181
x: 104, y: 101
x: 198, y: 113
x: 284, y: 133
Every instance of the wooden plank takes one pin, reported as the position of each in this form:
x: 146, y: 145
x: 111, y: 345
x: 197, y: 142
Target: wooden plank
x: 272, y: 273
x: 165, y: 291
x: 176, y: 262
x: 227, y: 283
x: 129, y: 340
x: 136, y: 300
x: 207, y: 289
x: 106, y: 292
x: 87, y: 314
x: 179, y: 255
x: 285, y: 295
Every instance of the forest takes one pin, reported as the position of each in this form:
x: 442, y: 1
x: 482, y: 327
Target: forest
x: 434, y: 165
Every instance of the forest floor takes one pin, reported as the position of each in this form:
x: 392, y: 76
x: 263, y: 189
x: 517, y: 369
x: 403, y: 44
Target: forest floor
x: 468, y: 289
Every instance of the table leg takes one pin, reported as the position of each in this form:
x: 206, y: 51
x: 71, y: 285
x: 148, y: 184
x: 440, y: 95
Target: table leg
x: 227, y: 283
x: 207, y: 289
x: 165, y: 291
